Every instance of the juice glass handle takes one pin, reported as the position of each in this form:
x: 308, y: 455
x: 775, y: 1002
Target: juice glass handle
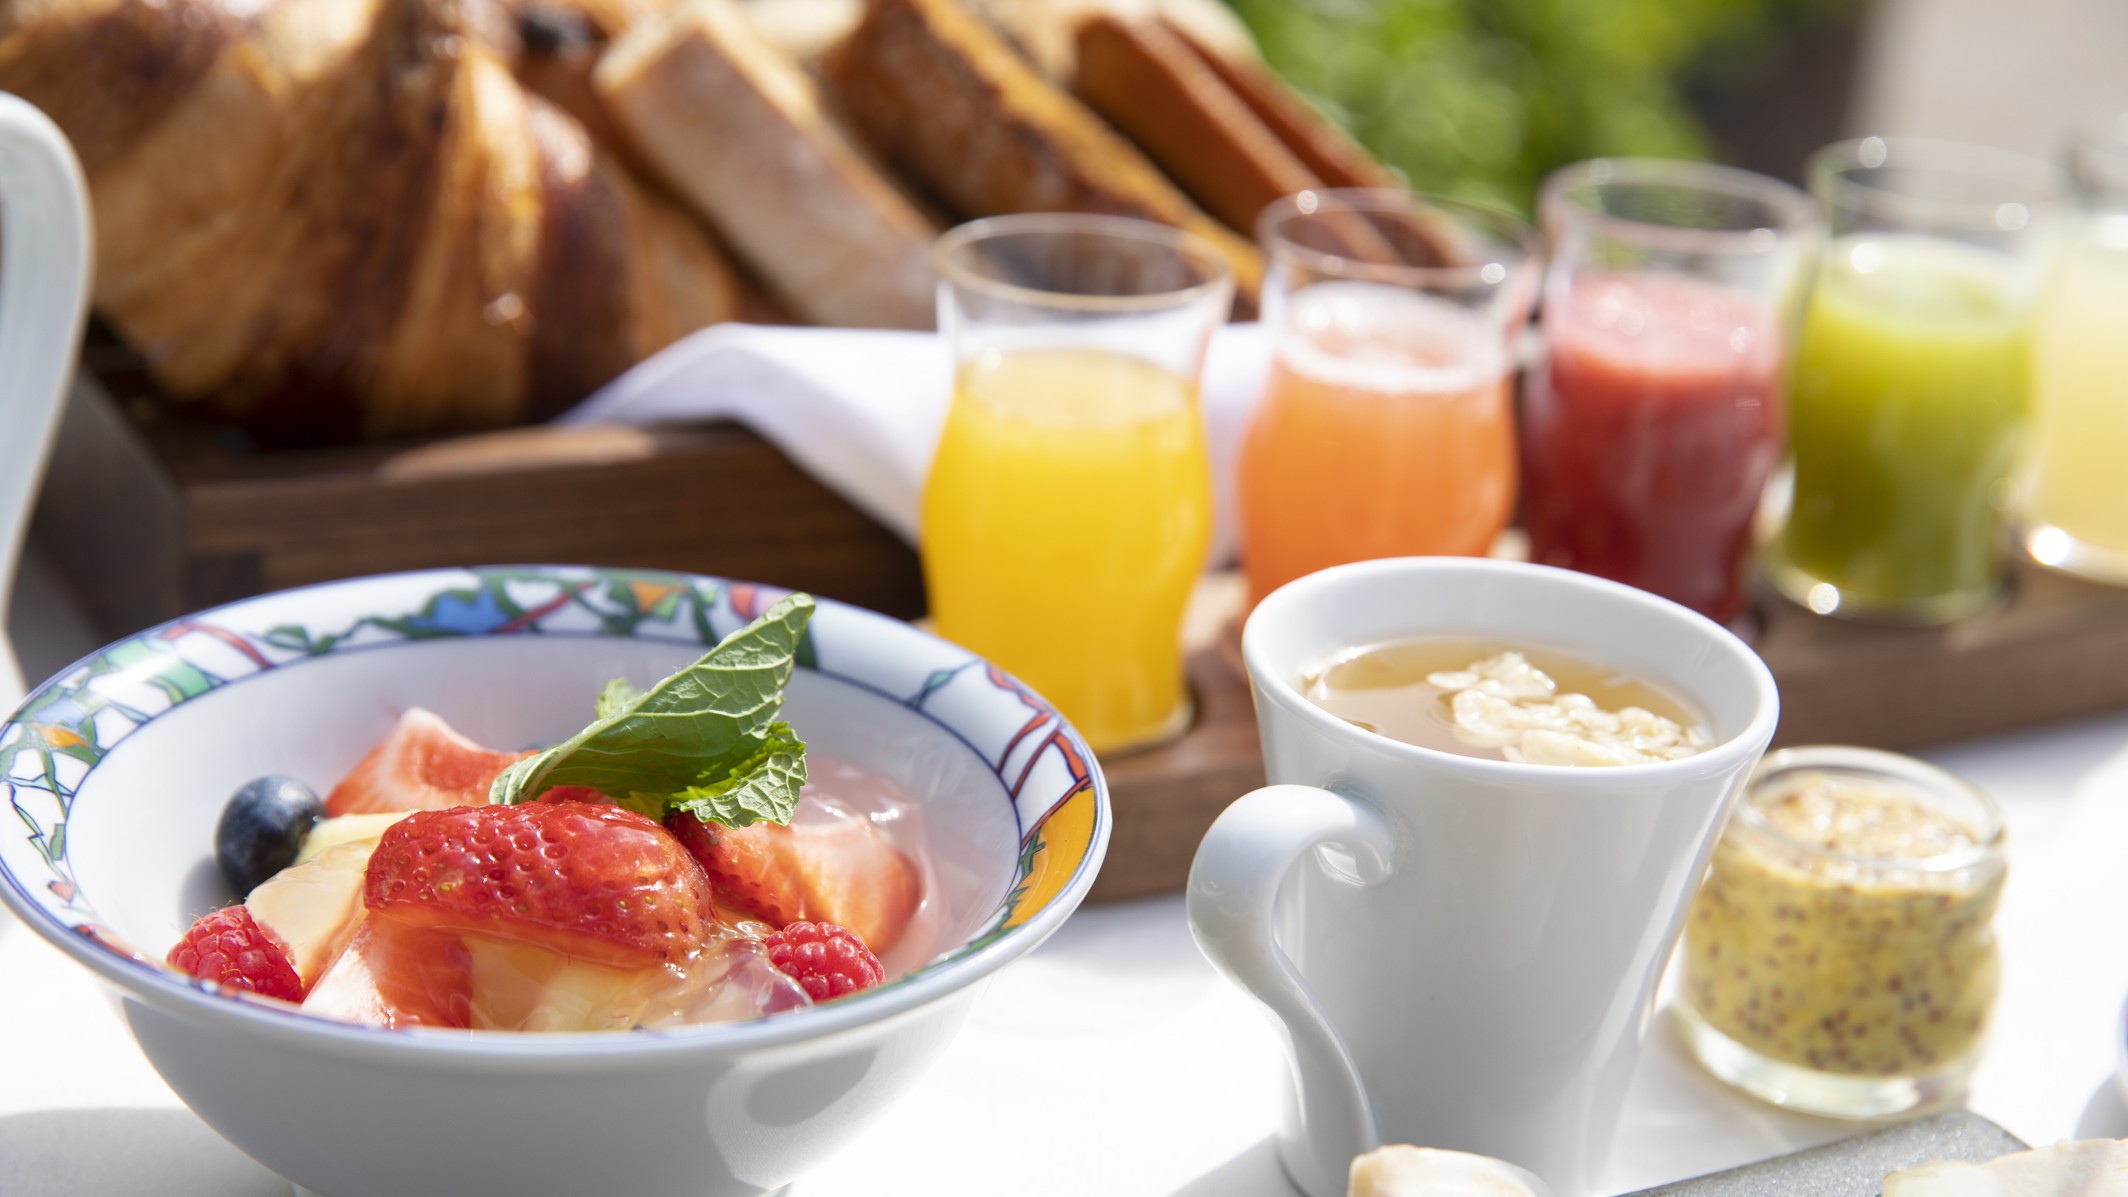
x: 1233, y: 889
x: 44, y: 278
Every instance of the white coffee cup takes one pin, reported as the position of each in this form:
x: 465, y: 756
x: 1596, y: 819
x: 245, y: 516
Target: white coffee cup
x: 1461, y: 952
x: 44, y: 275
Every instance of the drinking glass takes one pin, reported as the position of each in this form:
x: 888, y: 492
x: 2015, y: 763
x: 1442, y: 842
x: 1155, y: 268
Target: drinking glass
x: 1387, y: 426
x: 1912, y: 377
x: 2075, y: 514
x: 1069, y: 506
x: 1655, y: 420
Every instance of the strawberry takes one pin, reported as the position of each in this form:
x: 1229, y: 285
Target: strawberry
x: 229, y: 948
x: 591, y: 881
x: 395, y: 975
x: 741, y: 876
x: 836, y: 870
x: 421, y: 764
x: 829, y: 961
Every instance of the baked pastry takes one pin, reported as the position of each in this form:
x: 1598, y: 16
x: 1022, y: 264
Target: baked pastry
x: 946, y: 100
x: 727, y: 121
x: 1402, y: 1170
x: 331, y: 219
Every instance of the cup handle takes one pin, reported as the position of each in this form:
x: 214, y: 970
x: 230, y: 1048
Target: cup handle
x: 1233, y: 891
x: 44, y: 279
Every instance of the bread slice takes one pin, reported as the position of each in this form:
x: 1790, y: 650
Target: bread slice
x: 1328, y: 152
x: 804, y: 29
x: 736, y: 127
x: 1147, y: 82
x: 947, y: 101
x: 1044, y: 31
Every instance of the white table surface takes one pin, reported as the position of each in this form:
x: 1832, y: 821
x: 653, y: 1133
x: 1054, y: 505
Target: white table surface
x: 1141, y: 1072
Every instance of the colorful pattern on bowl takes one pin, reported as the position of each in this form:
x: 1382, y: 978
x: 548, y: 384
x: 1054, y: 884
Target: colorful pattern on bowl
x: 52, y: 743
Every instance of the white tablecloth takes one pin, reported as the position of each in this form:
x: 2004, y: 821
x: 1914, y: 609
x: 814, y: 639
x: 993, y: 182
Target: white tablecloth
x: 1113, y: 1062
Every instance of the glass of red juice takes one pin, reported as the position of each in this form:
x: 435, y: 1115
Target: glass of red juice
x: 1655, y: 419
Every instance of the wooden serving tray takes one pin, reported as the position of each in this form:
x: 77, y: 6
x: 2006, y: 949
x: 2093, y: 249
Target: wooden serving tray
x: 148, y: 518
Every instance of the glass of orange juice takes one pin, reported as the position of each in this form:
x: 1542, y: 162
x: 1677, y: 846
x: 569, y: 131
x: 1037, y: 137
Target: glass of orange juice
x: 1387, y: 426
x: 1069, y: 506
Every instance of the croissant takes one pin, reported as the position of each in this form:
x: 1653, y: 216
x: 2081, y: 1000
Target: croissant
x: 340, y: 219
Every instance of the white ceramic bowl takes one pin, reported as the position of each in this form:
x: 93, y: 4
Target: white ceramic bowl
x: 118, y: 769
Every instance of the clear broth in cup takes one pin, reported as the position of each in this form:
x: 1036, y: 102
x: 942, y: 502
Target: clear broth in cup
x: 1505, y: 703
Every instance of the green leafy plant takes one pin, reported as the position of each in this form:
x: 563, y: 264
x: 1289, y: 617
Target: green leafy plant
x: 705, y: 740
x: 1482, y: 98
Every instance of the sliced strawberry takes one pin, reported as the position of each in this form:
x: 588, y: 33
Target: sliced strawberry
x: 422, y: 764
x: 836, y: 870
x: 746, y: 874
x: 229, y: 948
x: 396, y: 975
x: 591, y: 881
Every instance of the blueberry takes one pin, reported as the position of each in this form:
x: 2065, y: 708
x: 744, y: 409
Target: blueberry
x: 262, y: 829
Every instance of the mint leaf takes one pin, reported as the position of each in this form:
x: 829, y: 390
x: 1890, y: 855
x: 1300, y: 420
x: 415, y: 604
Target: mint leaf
x: 701, y: 726
x: 762, y: 788
x: 615, y: 698
x: 650, y: 806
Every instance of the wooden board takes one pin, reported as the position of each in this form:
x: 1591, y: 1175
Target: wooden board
x: 148, y: 518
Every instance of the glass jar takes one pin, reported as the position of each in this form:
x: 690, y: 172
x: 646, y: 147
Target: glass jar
x: 1840, y: 958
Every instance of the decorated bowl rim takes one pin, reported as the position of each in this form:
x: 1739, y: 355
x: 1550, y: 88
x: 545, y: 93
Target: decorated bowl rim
x: 1007, y: 932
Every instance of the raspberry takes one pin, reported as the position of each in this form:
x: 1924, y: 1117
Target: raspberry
x: 829, y: 961
x: 229, y: 948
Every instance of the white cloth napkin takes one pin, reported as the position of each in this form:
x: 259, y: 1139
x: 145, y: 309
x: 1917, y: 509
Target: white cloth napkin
x: 860, y: 410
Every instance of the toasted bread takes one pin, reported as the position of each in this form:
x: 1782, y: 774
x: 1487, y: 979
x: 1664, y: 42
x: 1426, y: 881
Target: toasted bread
x: 1329, y: 153
x: 1046, y: 30
x: 732, y: 124
x: 804, y: 29
x: 945, y: 99
x: 1148, y: 82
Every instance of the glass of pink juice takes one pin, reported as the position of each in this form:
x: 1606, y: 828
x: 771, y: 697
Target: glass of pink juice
x: 1656, y: 419
x: 1386, y: 428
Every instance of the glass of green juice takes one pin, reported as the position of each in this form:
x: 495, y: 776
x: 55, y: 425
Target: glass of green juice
x: 2074, y: 514
x: 1911, y: 380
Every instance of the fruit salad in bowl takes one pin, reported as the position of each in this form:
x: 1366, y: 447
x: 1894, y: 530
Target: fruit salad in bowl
x: 542, y: 879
